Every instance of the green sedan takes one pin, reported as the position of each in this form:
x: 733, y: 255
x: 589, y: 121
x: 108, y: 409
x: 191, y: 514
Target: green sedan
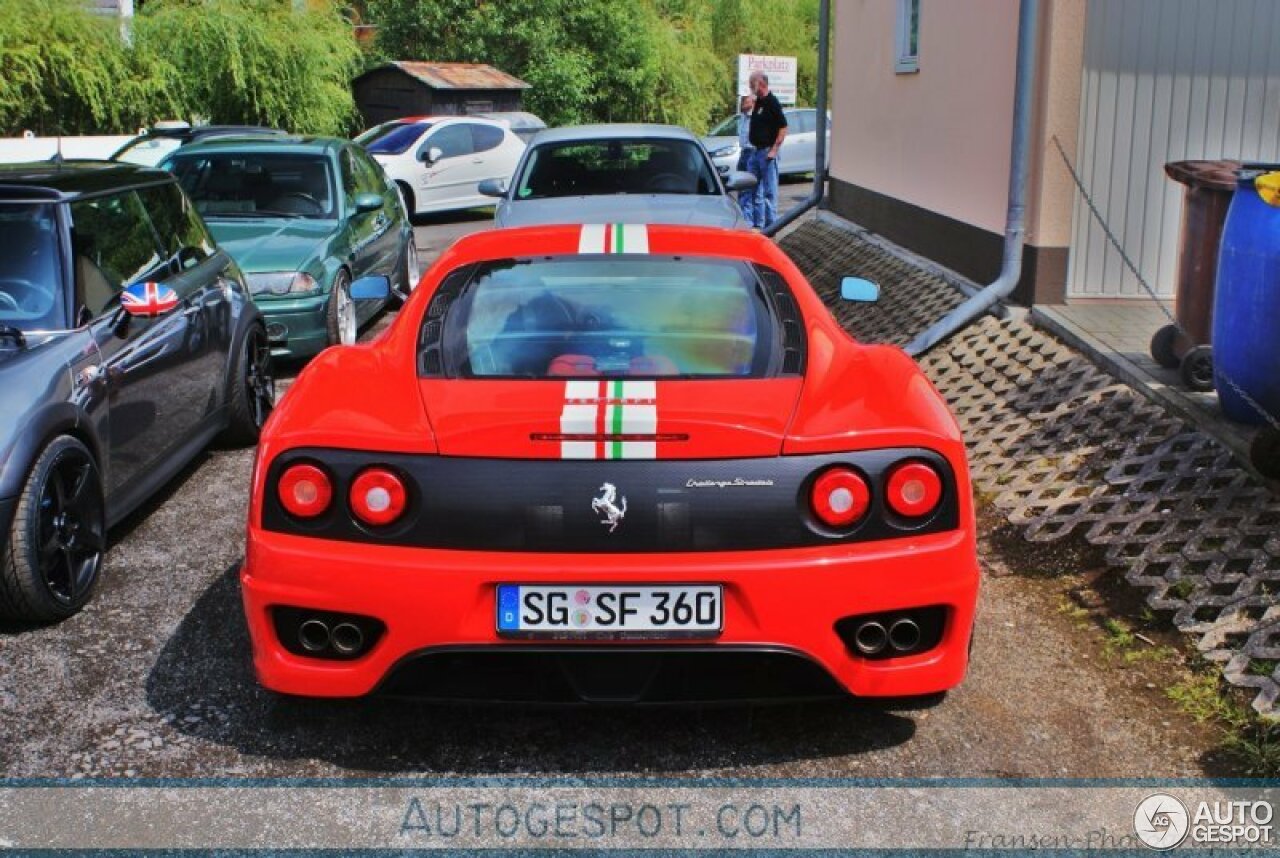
x: 305, y: 218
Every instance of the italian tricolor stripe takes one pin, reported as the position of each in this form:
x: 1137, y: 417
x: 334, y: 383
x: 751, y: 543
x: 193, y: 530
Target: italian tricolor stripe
x: 598, y: 409
x: 614, y: 238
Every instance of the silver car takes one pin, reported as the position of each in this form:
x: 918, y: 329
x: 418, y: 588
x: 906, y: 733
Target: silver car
x: 798, y: 152
x: 618, y: 174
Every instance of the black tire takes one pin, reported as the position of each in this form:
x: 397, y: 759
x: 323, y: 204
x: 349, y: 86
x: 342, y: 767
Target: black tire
x: 252, y: 391
x: 406, y: 194
x: 1264, y: 452
x: 53, y: 556
x: 1162, y: 347
x: 1197, y: 369
x: 333, y: 325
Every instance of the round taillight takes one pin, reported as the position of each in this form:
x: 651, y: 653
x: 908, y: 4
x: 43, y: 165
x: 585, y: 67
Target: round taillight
x: 378, y: 497
x: 914, y: 489
x: 840, y: 497
x: 305, y: 491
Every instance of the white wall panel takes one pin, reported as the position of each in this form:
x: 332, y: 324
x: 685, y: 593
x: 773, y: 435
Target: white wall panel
x: 1165, y: 80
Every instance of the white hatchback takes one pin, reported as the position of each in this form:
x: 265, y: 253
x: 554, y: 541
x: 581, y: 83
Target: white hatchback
x: 438, y: 162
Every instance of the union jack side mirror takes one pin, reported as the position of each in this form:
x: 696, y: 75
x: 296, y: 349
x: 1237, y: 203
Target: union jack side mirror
x: 148, y: 299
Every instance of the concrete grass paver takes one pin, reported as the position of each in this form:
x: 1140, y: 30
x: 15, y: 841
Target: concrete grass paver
x: 1067, y: 451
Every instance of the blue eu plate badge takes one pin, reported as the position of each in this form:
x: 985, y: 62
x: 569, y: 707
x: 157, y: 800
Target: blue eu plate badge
x: 508, y: 608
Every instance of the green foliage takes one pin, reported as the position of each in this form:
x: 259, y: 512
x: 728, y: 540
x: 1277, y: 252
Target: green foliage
x: 606, y: 60
x: 257, y: 62
x: 64, y: 70
x: 776, y: 27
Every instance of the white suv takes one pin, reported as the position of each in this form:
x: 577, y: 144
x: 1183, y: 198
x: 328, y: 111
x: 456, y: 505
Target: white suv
x: 438, y: 161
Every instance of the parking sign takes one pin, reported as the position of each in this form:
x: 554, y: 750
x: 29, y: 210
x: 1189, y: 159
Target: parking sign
x: 780, y: 70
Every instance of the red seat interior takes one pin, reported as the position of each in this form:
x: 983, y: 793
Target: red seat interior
x: 572, y: 365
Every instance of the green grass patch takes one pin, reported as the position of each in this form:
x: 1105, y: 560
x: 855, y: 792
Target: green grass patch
x: 1253, y: 742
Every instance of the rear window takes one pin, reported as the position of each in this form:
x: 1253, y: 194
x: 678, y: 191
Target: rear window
x: 638, y: 166
x: 395, y: 139
x: 622, y: 317
x: 31, y: 290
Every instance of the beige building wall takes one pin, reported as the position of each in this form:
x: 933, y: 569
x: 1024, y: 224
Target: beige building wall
x: 938, y: 138
x: 923, y: 158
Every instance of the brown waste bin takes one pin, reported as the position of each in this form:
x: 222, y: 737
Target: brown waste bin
x: 1210, y: 185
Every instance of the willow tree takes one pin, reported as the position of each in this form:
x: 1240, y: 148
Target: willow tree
x: 267, y: 62
x: 64, y: 70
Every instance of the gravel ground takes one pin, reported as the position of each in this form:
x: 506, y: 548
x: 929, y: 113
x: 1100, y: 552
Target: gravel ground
x: 153, y: 680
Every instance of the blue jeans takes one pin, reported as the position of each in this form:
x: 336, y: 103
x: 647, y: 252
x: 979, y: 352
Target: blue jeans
x: 760, y: 206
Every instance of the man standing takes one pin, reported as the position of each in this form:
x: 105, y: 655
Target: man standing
x: 746, y: 199
x: 767, y: 131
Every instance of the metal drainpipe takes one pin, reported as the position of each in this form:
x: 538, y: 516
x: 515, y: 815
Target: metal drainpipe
x: 1015, y: 226
x: 820, y: 156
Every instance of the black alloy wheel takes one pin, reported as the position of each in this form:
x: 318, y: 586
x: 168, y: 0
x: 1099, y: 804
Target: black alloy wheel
x: 57, y: 539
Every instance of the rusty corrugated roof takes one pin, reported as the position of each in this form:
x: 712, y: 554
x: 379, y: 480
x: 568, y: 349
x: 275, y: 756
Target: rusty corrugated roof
x: 460, y: 75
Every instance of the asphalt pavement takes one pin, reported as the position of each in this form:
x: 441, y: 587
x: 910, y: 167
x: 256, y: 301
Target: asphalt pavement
x: 154, y: 679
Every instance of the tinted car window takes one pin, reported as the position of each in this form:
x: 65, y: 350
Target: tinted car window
x: 801, y: 121
x: 728, y: 128
x: 257, y: 184
x: 394, y: 138
x: 369, y: 177
x: 182, y: 235
x: 113, y: 246
x: 347, y: 167
x: 486, y: 137
x: 452, y: 140
x: 147, y: 150
x: 623, y: 166
x: 31, y: 293
x: 611, y: 317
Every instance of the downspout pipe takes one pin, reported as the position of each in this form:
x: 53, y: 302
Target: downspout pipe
x: 820, y: 149
x: 1015, y: 224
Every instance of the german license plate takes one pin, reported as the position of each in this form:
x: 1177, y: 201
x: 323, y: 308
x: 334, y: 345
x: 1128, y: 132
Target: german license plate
x: 594, y: 611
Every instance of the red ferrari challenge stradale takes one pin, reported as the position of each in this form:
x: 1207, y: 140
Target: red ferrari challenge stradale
x: 611, y: 463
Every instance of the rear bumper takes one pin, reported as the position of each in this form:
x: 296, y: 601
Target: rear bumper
x: 776, y: 601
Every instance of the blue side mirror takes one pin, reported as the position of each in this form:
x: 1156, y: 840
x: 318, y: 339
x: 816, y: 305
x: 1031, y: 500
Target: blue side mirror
x: 375, y: 287
x: 859, y: 289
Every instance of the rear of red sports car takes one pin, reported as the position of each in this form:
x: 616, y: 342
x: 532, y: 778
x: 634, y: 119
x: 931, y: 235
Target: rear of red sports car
x: 611, y: 464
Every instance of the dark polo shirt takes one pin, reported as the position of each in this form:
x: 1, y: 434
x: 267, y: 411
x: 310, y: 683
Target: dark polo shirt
x: 766, y: 120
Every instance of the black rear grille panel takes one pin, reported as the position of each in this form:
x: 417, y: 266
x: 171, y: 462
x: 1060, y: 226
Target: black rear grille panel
x: 630, y: 675
x: 544, y: 505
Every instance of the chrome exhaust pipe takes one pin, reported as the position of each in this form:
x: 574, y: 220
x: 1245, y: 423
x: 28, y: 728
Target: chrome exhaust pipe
x: 904, y: 635
x: 347, y: 638
x: 870, y: 638
x: 313, y: 635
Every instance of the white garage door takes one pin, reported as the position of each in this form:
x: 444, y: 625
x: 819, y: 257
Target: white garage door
x: 1165, y: 80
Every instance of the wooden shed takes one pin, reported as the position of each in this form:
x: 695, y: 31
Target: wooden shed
x: 442, y: 89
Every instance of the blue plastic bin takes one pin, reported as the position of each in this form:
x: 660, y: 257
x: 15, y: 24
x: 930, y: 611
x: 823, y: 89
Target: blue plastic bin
x: 1246, y: 308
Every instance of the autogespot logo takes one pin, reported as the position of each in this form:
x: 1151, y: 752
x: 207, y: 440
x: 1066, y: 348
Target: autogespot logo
x: 1161, y: 821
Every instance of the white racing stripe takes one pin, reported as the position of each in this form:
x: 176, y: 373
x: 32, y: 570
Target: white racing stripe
x: 602, y: 408
x: 614, y: 238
